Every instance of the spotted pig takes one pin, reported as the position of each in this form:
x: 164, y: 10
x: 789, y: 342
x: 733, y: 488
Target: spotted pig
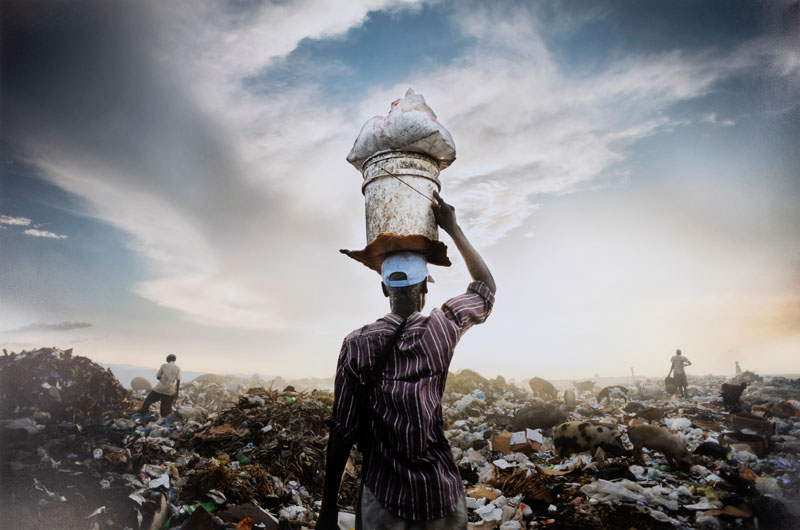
x: 578, y: 436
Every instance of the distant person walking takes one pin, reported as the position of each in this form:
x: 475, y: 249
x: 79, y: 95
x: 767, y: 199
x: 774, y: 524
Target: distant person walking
x: 677, y: 364
x: 738, y: 368
x: 169, y: 382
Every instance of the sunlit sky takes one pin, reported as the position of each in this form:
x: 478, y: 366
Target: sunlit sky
x: 174, y: 179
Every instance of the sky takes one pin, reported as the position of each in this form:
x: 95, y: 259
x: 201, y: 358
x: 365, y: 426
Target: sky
x: 173, y: 179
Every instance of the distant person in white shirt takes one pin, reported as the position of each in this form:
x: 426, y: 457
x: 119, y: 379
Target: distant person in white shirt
x: 169, y: 382
x: 677, y: 364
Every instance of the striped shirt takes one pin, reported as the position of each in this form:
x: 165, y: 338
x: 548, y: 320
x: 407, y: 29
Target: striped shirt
x: 409, y: 466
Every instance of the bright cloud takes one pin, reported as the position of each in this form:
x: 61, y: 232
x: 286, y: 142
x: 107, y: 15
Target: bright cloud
x: 14, y: 221
x: 44, y: 233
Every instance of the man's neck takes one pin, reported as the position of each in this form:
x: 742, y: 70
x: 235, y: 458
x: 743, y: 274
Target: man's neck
x: 404, y: 311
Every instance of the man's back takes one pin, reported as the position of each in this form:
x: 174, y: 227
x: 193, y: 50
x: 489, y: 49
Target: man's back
x: 678, y: 362
x: 167, y: 376
x: 409, y: 466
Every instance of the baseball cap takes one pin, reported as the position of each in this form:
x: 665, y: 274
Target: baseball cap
x: 413, y: 264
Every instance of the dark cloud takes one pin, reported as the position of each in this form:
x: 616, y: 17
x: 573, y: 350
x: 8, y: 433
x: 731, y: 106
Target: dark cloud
x: 83, y: 81
x: 41, y: 326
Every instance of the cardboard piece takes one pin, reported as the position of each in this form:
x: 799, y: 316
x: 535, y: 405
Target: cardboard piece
x: 744, y: 420
x: 517, y: 442
x: 733, y: 511
x: 482, y: 492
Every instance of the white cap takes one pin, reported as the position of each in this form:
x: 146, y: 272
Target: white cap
x: 413, y: 264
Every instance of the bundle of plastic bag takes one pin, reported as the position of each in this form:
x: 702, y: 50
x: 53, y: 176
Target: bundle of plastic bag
x: 411, y: 125
x: 627, y: 491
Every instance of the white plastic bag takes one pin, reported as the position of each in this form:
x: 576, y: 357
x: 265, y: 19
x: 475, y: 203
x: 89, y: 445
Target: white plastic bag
x: 411, y: 125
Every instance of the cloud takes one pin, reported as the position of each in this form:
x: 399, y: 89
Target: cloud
x: 44, y: 233
x: 711, y: 118
x: 24, y: 221
x: 200, y: 172
x: 232, y: 197
x: 43, y: 327
x: 14, y: 221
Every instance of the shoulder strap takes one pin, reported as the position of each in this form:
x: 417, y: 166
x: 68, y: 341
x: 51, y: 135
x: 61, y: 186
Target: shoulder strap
x: 374, y: 374
x: 369, y: 380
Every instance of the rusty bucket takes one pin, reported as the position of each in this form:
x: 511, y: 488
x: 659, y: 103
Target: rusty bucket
x: 398, y: 192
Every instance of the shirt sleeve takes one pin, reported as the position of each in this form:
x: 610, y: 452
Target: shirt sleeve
x: 343, y: 420
x: 160, y: 372
x: 470, y: 308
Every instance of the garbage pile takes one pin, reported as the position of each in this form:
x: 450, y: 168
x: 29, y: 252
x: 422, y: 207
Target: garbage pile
x: 260, y: 460
x: 213, y: 393
x: 628, y: 455
x: 253, y: 457
x: 49, y: 384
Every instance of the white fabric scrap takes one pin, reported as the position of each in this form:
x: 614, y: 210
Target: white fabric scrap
x: 503, y: 464
x: 157, y: 482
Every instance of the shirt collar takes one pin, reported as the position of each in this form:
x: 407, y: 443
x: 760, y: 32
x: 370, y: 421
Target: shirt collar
x: 397, y: 319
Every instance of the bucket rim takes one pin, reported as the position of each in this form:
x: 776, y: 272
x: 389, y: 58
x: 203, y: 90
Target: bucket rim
x: 370, y: 180
x: 397, y: 153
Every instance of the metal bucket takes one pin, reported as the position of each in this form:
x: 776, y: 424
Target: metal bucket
x: 398, y: 189
x: 398, y: 192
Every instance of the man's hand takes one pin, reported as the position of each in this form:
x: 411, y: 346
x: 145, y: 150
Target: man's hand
x: 445, y: 214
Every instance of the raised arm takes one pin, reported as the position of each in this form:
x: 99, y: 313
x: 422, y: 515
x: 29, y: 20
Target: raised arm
x: 446, y: 218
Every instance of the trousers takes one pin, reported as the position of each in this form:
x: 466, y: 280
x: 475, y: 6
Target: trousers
x: 166, y: 403
x: 372, y: 515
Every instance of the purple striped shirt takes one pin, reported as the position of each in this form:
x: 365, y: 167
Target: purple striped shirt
x: 410, y: 467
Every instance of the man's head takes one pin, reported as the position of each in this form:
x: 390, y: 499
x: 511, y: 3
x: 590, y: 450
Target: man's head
x: 677, y: 352
x: 405, y: 276
x: 171, y: 358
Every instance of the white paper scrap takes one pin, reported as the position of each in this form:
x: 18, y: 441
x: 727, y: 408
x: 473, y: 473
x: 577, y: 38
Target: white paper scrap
x: 535, y: 435
x: 517, y: 438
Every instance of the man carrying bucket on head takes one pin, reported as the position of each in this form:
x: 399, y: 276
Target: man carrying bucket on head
x: 390, y: 379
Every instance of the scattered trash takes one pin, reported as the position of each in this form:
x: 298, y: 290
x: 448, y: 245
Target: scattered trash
x: 238, y: 454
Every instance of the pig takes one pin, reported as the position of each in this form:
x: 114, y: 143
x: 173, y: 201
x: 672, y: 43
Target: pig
x: 542, y: 388
x: 731, y: 395
x: 658, y: 439
x: 584, y: 386
x: 613, y: 392
x: 577, y: 436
